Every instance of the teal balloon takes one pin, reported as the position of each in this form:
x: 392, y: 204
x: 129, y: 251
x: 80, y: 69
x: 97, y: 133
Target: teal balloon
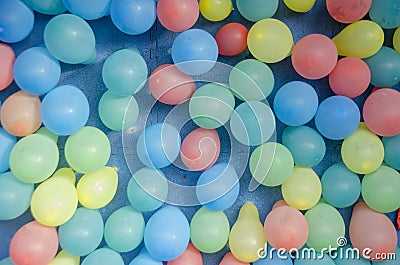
x: 320, y: 259
x: 103, y: 256
x: 47, y: 7
x: 386, y: 13
x: 346, y: 256
x: 7, y: 142
x: 392, y: 151
x: 6, y: 261
x: 144, y: 258
x: 391, y: 261
x: 88, y: 9
x: 255, y: 10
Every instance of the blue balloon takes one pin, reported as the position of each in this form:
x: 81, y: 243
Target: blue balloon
x: 346, y: 256
x: 16, y: 20
x: 337, y: 117
x: 47, y: 7
x: 103, y: 256
x: 7, y: 142
x: 144, y: 258
x: 36, y: 71
x: 88, y: 9
x: 386, y: 13
x: 65, y: 110
x: 275, y: 259
x: 218, y: 187
x: 133, y: 17
x: 392, y: 151
x: 167, y: 234
x: 295, y: 103
x: 195, y: 51
x: 320, y: 259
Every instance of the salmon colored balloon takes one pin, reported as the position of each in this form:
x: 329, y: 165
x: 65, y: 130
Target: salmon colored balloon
x: 177, y: 15
x: 382, y: 112
x: 34, y: 244
x: 350, y: 77
x: 6, y: 65
x: 279, y: 204
x: 314, y: 56
x: 191, y: 256
x: 229, y: 259
x: 200, y: 149
x: 20, y: 114
x: 348, y: 11
x: 232, y: 39
x: 171, y: 86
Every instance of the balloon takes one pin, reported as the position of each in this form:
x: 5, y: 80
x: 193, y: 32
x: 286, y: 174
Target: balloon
x: 191, y: 256
x: 103, y: 256
x: 125, y: 72
x: 83, y: 233
x: 346, y: 256
x: 118, y: 113
x: 7, y: 142
x: 231, y: 39
x: 396, y: 39
x: 209, y: 230
x: 6, y: 65
x: 279, y: 204
x: 247, y: 234
x: 340, y: 187
x: 303, y: 188
x: 171, y: 86
x: 361, y: 39
x: 251, y: 80
x: 275, y: 259
x: 362, y: 152
x: 229, y: 259
x: 194, y: 51
x: 218, y: 187
x: 306, y: 145
x: 147, y: 189
x: 200, y: 149
x: 64, y: 258
x: 350, y: 77
x: 306, y: 260
x: 386, y: 13
x: 299, y: 6
x: 337, y: 117
x: 348, y: 11
x: 16, y: 21
x: 177, y: 15
x: 215, y: 10
x: 88, y: 9
x: 88, y: 150
x: 97, y: 189
x: 133, y: 17
x: 34, y: 158
x: 392, y: 151
x: 34, y: 243
x: 20, y: 114
x: 167, y: 234
x: 144, y: 258
x: 6, y: 261
x: 47, y: 7
x: 255, y: 10
x: 271, y: 164
x: 270, y: 33
x: 389, y: 261
x: 45, y: 132
x: 211, y: 106
x: 70, y: 39
x: 295, y: 103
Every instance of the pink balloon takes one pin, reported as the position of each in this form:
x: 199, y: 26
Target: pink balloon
x: 229, y: 259
x: 350, y: 77
x: 177, y: 15
x: 279, y: 204
x: 34, y: 244
x: 191, y: 256
x: 200, y: 149
x: 348, y: 11
x: 314, y: 56
x: 7, y: 59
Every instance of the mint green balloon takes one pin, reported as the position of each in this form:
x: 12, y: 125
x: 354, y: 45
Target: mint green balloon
x: 47, y: 7
x: 44, y: 131
x: 6, y: 261
x: 211, y: 106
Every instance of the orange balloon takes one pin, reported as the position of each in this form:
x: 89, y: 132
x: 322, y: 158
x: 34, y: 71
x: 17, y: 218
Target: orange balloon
x: 7, y: 59
x: 191, y: 256
x: 20, y: 114
x: 279, y: 204
x: 229, y: 259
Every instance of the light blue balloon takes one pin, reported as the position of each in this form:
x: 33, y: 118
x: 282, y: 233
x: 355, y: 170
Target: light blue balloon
x: 83, y: 233
x: 195, y: 51
x: 389, y: 261
x: 103, y: 256
x: 392, y: 151
x: 36, y: 71
x: 386, y: 13
x: 6, y: 261
x: 255, y: 10
x: 347, y: 256
x: 218, y: 187
x: 47, y: 7
x: 144, y: 258
x: 7, y: 142
x: 16, y: 21
x: 275, y: 259
x: 319, y: 260
x: 88, y: 9
x: 167, y: 234
x: 65, y: 110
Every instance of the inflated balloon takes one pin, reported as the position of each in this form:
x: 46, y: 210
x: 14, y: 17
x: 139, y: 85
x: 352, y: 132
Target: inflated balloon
x: 195, y: 51
x: 47, y: 7
x: 171, y: 86
x: 35, y: 243
x: 299, y: 6
x: 303, y: 188
x: 177, y: 15
x: 232, y: 39
x: 191, y: 256
x: 167, y: 234
x: 396, y: 39
x: 16, y: 21
x: 386, y: 13
x: 6, y: 261
x: 34, y: 158
x: 295, y: 103
x: 392, y: 151
x: 345, y: 258
x: 215, y: 10
x: 271, y: 164
x: 6, y: 65
x: 229, y: 259
x: 88, y: 150
x: 83, y: 233
x: 125, y: 72
x: 7, y: 142
x: 144, y: 258
x: 275, y: 259
x: 103, y: 256
x: 323, y: 259
x: 64, y: 258
x: 389, y: 261
x: 255, y: 10
x: 45, y: 132
x: 361, y: 39
x: 348, y: 11
x: 247, y: 234
x: 88, y: 9
x: 20, y: 114
x: 251, y: 80
x: 70, y: 39
x: 270, y: 33
x: 279, y: 204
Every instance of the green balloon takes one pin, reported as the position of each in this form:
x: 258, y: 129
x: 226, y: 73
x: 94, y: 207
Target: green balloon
x: 271, y: 164
x: 211, y: 106
x: 251, y: 80
x: 34, y: 158
x: 209, y: 230
x: 381, y: 189
x: 87, y: 150
x: 44, y: 131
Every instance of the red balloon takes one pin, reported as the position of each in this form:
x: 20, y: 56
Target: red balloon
x: 177, y: 15
x: 229, y: 259
x: 191, y: 256
x: 279, y: 204
x: 7, y: 60
x: 348, y: 11
x: 232, y: 39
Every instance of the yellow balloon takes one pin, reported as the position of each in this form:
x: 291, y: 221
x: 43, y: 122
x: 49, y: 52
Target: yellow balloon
x: 64, y: 258
x: 363, y: 151
x: 303, y: 188
x: 301, y: 6
x: 360, y: 39
x: 396, y: 40
x: 247, y: 235
x: 97, y: 189
x: 215, y: 10
x: 55, y: 200
x: 270, y: 40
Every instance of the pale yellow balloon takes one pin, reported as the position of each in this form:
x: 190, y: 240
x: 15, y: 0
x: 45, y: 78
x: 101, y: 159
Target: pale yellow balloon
x: 396, y: 40
x: 300, y: 6
x: 64, y: 258
x: 215, y: 10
